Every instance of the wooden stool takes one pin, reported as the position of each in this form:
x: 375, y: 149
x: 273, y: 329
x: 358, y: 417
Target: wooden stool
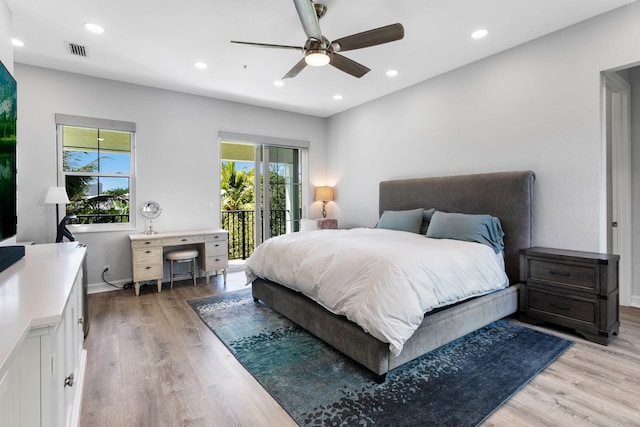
x: 186, y: 255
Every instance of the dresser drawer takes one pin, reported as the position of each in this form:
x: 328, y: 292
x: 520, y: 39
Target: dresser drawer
x: 563, y: 308
x: 149, y: 255
x: 573, y: 275
x: 147, y: 272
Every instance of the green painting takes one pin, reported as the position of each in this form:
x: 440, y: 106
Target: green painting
x: 8, y: 114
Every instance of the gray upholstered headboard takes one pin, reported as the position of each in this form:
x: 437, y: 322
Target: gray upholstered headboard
x: 506, y: 195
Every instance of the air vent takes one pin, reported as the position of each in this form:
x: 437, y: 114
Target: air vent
x: 76, y: 49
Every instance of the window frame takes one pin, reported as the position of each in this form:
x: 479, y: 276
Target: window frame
x: 63, y: 120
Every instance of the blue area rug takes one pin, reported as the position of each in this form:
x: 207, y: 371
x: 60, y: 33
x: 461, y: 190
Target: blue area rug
x: 459, y: 384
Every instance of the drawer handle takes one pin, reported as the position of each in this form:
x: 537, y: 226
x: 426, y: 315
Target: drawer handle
x: 147, y: 252
x: 216, y: 237
x: 184, y: 240
x: 147, y: 268
x: 147, y: 242
x: 559, y: 273
x: 68, y: 382
x: 560, y: 306
x: 217, y: 259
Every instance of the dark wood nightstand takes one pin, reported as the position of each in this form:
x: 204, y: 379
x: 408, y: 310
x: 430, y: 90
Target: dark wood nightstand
x: 575, y: 289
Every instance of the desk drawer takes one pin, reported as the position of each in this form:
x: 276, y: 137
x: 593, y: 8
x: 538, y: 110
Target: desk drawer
x: 183, y: 240
x: 150, y: 255
x: 216, y: 237
x: 217, y: 248
x: 150, y: 243
x: 216, y: 262
x: 147, y: 272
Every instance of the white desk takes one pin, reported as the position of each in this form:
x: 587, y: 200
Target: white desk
x: 148, y: 258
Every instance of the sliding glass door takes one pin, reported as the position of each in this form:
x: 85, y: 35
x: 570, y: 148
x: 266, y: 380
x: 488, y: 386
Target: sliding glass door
x: 262, y: 189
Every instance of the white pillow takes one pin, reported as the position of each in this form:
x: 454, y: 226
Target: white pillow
x: 308, y: 225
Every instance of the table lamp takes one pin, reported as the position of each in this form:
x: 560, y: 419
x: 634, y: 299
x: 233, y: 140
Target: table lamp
x: 57, y: 196
x: 324, y: 194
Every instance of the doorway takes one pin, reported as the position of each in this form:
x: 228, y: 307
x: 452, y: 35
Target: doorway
x: 262, y: 187
x: 620, y: 170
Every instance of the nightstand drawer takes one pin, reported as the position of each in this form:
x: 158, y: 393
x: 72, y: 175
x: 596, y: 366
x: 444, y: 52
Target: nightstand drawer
x: 580, y: 276
x: 561, y: 306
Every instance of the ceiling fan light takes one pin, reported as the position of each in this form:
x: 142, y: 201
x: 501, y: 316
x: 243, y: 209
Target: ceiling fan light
x: 316, y: 58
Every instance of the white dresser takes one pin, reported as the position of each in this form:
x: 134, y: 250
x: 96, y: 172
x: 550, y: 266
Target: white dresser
x: 42, y: 358
x: 147, y: 253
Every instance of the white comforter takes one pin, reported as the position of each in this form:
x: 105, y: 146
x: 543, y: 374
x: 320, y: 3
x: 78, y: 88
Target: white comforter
x: 382, y: 280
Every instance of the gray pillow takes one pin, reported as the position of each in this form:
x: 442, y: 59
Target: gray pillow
x: 409, y: 220
x: 471, y: 228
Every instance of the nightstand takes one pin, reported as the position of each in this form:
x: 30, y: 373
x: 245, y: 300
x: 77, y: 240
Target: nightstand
x: 575, y: 289
x: 327, y: 223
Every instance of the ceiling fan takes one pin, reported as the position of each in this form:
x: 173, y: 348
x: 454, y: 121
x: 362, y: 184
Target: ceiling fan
x: 318, y: 51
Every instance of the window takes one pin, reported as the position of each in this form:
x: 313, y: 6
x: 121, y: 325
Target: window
x: 96, y: 166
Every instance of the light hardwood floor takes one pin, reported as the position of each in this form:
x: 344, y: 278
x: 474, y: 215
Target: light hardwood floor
x: 153, y: 362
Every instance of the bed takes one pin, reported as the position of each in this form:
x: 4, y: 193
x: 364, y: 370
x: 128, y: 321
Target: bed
x: 505, y: 195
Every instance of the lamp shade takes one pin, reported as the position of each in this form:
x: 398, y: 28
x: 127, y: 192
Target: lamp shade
x: 324, y: 194
x: 56, y: 195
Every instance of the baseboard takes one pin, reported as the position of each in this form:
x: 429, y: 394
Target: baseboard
x: 635, y: 301
x: 96, y: 288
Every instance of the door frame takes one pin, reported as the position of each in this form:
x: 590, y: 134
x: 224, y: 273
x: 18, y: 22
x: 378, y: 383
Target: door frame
x: 616, y: 100
x: 260, y: 142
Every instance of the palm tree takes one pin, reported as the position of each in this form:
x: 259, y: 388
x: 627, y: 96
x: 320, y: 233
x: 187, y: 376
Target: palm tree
x: 109, y: 206
x: 236, y: 188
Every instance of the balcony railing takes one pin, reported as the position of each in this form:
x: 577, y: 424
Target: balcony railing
x: 100, y: 218
x: 241, y: 227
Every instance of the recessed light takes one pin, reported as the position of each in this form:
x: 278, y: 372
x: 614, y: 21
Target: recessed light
x: 479, y: 34
x: 278, y: 83
x: 200, y: 65
x: 16, y: 42
x: 392, y: 73
x: 94, y: 28
x: 337, y: 97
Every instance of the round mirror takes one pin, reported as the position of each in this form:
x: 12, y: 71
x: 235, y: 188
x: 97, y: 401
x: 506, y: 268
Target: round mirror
x: 150, y: 210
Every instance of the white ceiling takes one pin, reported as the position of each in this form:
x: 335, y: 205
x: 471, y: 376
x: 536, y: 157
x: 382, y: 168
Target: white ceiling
x: 156, y: 42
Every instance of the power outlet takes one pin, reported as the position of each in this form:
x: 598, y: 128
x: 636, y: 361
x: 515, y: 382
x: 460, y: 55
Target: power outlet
x: 107, y: 269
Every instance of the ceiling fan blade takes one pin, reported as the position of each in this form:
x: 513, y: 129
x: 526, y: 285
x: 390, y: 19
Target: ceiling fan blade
x: 295, y: 70
x: 369, y: 38
x: 349, y: 66
x: 308, y: 18
x: 277, y: 46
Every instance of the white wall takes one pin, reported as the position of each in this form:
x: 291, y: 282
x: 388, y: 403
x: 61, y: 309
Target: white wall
x: 536, y: 107
x: 178, y: 155
x: 6, y: 49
